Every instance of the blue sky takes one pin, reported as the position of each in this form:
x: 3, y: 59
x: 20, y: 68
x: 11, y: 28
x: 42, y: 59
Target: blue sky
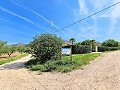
x: 21, y: 20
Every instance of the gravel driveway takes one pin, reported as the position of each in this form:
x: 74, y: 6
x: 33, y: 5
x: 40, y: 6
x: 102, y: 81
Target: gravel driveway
x: 102, y: 74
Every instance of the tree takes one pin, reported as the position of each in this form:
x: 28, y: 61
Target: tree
x: 2, y: 44
x: 91, y: 43
x: 86, y: 42
x: 78, y: 44
x: 72, y: 40
x: 110, y: 43
x: 46, y: 47
x: 22, y: 48
x: 9, y: 50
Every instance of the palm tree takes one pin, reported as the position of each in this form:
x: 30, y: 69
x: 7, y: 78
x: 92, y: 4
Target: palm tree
x: 92, y: 44
x: 72, y: 40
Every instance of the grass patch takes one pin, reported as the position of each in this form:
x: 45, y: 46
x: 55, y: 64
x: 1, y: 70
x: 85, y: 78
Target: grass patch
x: 12, y: 58
x: 64, y: 65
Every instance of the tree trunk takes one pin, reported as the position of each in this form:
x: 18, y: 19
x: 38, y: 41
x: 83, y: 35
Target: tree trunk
x: 9, y: 55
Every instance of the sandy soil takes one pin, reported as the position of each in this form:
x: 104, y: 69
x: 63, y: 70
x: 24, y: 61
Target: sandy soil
x: 102, y: 74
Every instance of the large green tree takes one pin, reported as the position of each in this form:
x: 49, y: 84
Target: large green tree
x: 46, y: 47
x: 110, y: 43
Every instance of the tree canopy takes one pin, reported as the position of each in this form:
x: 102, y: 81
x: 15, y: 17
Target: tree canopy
x: 72, y: 40
x: 110, y: 43
x: 46, y: 47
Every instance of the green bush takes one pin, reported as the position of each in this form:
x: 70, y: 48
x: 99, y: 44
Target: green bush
x: 104, y: 48
x: 31, y: 62
x: 110, y: 43
x: 81, y: 49
x: 46, y: 47
x: 63, y: 65
x: 37, y: 67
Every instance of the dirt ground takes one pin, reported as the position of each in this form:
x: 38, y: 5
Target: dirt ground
x: 102, y: 74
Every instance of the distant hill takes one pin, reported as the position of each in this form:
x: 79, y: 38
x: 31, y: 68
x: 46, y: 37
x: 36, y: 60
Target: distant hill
x: 19, y: 44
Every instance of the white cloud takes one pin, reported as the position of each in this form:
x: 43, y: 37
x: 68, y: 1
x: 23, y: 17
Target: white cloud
x: 99, y: 4
x: 115, y: 14
x: 92, y: 32
x: 81, y: 11
x: 25, y: 19
x: 83, y: 7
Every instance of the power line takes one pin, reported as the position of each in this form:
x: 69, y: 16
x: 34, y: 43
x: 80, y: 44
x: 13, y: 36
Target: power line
x: 38, y: 15
x: 89, y: 16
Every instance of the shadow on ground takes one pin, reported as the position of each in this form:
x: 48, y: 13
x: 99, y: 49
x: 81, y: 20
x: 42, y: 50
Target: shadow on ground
x: 15, y: 66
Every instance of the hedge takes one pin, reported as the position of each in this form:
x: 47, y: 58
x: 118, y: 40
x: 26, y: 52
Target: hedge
x: 81, y: 49
x: 104, y: 48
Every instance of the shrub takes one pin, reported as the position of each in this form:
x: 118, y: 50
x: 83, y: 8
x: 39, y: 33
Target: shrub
x: 104, y: 48
x: 110, y: 43
x: 79, y: 49
x: 46, y: 47
x: 37, y: 67
x: 64, y: 65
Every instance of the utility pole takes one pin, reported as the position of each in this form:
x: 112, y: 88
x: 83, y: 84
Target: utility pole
x: 51, y: 25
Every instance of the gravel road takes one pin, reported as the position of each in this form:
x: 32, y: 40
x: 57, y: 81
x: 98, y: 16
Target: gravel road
x: 102, y: 74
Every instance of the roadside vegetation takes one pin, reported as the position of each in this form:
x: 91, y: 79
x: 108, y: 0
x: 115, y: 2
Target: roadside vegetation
x: 47, y: 55
x: 63, y: 65
x: 7, y: 52
x: 10, y: 59
x: 46, y: 50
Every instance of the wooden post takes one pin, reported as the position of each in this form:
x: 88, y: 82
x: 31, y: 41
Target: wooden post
x: 71, y: 54
x: 60, y: 54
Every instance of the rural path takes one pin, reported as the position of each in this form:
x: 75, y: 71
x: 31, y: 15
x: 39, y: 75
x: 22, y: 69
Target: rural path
x: 102, y: 74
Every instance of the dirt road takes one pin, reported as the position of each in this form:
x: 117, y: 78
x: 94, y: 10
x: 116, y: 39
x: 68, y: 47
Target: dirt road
x: 102, y: 74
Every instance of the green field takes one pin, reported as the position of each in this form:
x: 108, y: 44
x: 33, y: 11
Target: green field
x: 64, y: 65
